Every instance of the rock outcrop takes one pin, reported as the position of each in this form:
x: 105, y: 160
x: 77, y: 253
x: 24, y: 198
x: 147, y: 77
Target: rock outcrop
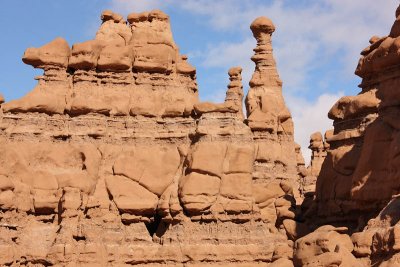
x: 234, y: 97
x: 112, y: 159
x: 269, y: 118
x: 114, y: 74
x: 357, y: 187
x: 363, y: 144
x: 318, y: 146
x: 309, y: 176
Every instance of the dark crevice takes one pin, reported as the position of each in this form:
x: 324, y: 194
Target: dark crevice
x: 79, y: 238
x: 60, y: 210
x: 70, y: 71
x: 162, y: 229
x: 62, y: 137
x: 10, y: 227
x: 153, y: 225
x: 188, y: 171
x: 38, y: 262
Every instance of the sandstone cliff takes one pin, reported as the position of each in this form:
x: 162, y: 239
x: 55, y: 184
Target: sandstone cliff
x: 362, y: 154
x: 357, y: 188
x: 112, y: 160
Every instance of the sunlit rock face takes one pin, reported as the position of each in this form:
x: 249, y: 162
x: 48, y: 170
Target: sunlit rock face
x: 360, y: 171
x: 358, y: 184
x: 112, y: 159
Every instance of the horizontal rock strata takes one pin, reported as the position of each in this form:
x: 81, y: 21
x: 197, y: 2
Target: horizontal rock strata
x: 357, y: 188
x: 113, y: 160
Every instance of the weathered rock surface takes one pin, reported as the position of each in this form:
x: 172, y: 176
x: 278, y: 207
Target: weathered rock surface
x: 326, y: 246
x: 358, y: 185
x: 269, y: 118
x: 363, y: 144
x: 112, y: 159
x: 308, y: 176
x: 114, y: 74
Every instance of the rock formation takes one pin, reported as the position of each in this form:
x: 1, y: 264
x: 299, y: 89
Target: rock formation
x: 268, y: 117
x: 309, y: 176
x: 114, y: 74
x: 112, y: 159
x: 318, y: 147
x: 234, y: 97
x: 362, y: 153
x: 358, y: 186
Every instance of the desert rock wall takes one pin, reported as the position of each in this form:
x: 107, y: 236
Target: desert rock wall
x: 356, y: 207
x: 112, y: 159
x: 361, y: 155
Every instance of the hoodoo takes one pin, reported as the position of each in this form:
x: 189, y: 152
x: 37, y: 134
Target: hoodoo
x: 358, y: 186
x: 112, y: 159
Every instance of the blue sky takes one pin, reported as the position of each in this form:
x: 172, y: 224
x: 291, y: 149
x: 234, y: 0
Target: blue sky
x: 317, y: 43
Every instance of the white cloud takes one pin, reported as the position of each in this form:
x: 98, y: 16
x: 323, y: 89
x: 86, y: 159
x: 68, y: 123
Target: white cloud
x: 310, y: 117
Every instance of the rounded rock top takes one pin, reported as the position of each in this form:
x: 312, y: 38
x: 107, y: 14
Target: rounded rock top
x: 158, y: 14
x: 317, y: 136
x: 234, y: 71
x: 147, y: 16
x: 106, y: 15
x: 138, y: 17
x: 262, y: 24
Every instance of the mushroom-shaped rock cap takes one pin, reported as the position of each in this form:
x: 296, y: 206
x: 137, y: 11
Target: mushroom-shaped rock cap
x: 109, y: 15
x: 55, y: 53
x: 374, y: 39
x: 138, y: 17
x: 106, y: 15
x: 317, y: 136
x: 235, y: 71
x: 158, y: 14
x: 1, y: 99
x: 262, y: 24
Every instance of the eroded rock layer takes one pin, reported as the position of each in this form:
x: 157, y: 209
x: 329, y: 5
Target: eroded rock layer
x: 358, y: 185
x: 112, y: 160
x: 362, y: 154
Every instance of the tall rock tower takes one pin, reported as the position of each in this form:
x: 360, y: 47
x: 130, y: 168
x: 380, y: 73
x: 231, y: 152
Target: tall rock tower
x: 267, y: 114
